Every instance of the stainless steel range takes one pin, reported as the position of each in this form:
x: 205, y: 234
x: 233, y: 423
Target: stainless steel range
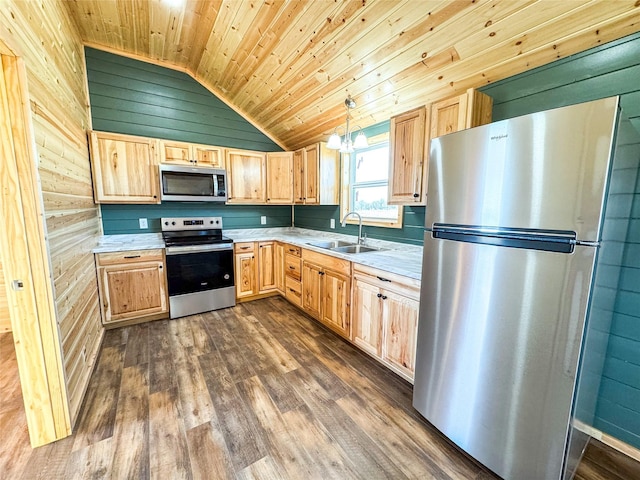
x: 199, y: 265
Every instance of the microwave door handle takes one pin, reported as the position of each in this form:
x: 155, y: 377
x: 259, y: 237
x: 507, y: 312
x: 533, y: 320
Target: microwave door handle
x: 215, y: 185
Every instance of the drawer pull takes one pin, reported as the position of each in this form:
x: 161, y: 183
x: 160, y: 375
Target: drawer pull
x: 382, y: 279
x: 244, y: 248
x: 132, y: 256
x: 292, y: 267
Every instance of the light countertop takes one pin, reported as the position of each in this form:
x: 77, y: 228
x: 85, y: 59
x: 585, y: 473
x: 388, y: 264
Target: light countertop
x: 394, y: 257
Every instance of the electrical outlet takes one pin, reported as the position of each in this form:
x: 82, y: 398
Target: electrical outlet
x: 263, y: 220
x: 333, y: 223
x: 143, y: 223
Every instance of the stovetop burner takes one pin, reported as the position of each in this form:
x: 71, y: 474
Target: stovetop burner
x: 192, y: 231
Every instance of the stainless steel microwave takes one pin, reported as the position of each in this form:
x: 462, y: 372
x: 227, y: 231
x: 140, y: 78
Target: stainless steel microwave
x: 192, y: 184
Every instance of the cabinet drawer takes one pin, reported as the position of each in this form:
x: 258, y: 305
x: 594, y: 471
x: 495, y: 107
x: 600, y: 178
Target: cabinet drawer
x: 243, y: 247
x: 130, y: 256
x: 293, y: 291
x: 328, y: 262
x: 409, y: 287
x: 292, y: 266
x: 292, y: 250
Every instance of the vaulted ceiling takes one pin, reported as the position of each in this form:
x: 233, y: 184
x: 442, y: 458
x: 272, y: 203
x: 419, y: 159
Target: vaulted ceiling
x: 287, y: 66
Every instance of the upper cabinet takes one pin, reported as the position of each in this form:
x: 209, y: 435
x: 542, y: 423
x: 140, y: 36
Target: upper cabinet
x: 124, y: 167
x: 410, y: 135
x: 246, y: 176
x: 407, y: 150
x: 470, y: 109
x: 316, y: 177
x: 183, y: 153
x: 280, y: 178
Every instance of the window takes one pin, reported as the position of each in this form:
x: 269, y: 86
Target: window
x: 365, y: 186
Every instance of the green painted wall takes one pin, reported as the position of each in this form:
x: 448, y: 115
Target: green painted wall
x: 117, y: 219
x: 607, y: 70
x: 319, y: 218
x: 138, y: 98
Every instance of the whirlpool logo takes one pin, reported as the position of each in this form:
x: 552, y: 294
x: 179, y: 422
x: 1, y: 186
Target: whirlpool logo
x: 499, y: 137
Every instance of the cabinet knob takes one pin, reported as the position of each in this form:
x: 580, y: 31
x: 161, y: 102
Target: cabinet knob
x: 379, y: 295
x: 415, y: 195
x: 384, y: 297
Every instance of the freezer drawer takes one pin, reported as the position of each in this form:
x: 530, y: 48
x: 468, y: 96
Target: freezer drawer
x: 498, y: 345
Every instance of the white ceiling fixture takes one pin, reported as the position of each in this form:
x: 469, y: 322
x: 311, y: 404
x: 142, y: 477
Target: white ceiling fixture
x: 347, y: 145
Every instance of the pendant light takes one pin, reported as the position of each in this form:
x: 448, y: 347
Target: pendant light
x: 347, y: 145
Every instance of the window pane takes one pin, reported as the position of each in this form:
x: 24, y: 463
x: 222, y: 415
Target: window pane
x: 371, y: 165
x: 371, y: 202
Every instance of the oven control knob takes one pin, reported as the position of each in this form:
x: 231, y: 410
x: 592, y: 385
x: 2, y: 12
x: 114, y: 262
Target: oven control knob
x: 166, y: 223
x: 173, y: 223
x: 226, y: 276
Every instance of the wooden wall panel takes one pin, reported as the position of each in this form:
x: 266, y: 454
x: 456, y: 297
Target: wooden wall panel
x: 47, y: 40
x: 5, y: 319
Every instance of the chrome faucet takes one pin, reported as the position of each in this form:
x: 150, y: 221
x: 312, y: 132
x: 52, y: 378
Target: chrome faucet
x: 344, y: 222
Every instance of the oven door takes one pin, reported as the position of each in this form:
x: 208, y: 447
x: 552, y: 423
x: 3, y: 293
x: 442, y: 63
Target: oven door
x: 199, y: 268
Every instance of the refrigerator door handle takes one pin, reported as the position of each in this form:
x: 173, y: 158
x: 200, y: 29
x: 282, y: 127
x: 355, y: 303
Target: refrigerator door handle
x: 560, y: 241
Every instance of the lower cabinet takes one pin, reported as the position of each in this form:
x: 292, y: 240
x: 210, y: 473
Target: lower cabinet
x: 385, y: 317
x: 133, y: 286
x: 326, y: 290
x: 255, y: 269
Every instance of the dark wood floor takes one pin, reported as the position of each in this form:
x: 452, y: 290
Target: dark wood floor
x: 256, y: 391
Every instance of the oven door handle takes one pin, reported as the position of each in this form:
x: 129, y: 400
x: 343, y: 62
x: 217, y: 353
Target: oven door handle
x: 199, y: 248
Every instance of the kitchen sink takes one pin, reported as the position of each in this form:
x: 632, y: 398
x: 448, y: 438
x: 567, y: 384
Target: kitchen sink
x: 354, y: 249
x: 330, y: 245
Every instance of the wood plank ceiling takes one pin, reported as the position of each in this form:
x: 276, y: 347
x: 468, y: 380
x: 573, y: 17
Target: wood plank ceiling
x: 287, y: 66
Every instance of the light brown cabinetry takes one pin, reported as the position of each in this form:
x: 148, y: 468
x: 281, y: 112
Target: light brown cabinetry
x: 124, y: 168
x: 316, y: 177
x: 278, y: 265
x: 280, y: 178
x: 326, y: 290
x: 293, y: 274
x: 409, y: 138
x: 470, y: 109
x: 266, y: 267
x: 385, y: 317
x: 246, y: 176
x: 133, y: 286
x: 408, y: 156
x: 245, y: 263
x: 183, y: 153
x: 255, y: 269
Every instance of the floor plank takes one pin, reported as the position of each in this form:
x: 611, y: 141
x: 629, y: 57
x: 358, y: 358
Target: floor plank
x: 257, y: 391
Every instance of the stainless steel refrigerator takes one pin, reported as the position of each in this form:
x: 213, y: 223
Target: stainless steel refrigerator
x: 514, y: 223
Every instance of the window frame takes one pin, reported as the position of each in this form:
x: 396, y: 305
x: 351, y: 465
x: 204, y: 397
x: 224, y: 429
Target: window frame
x: 347, y: 190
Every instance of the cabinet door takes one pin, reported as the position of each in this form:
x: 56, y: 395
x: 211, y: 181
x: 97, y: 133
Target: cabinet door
x: 311, y: 274
x: 278, y: 262
x: 175, y: 152
x: 366, y: 329
x: 470, y: 109
x: 400, y: 323
x: 311, y: 174
x: 408, y: 158
x: 266, y: 267
x: 280, y: 177
x: 246, y: 174
x: 133, y: 291
x: 125, y: 168
x: 449, y: 116
x: 208, y: 156
x: 298, y: 176
x: 336, y: 302
x: 245, y: 274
